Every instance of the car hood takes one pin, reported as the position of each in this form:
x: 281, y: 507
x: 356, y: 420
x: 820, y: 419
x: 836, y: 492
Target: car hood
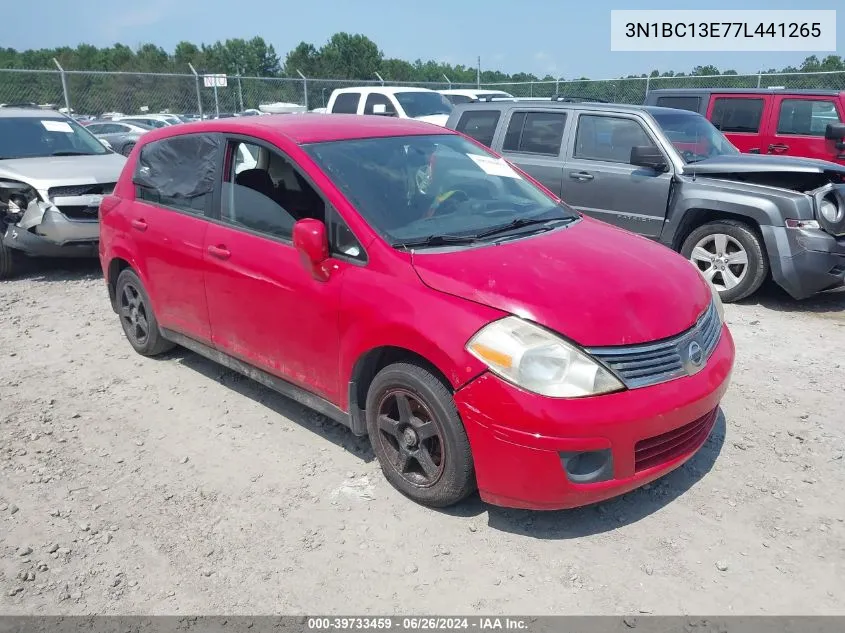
x: 594, y: 284
x: 437, y: 119
x: 746, y: 163
x: 121, y: 136
x: 52, y: 171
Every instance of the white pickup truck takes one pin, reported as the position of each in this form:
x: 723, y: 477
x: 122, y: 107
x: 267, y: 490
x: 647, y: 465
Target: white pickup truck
x: 403, y: 102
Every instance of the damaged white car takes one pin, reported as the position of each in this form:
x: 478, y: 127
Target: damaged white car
x: 53, y: 175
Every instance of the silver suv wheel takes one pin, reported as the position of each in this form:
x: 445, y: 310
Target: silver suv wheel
x: 721, y: 259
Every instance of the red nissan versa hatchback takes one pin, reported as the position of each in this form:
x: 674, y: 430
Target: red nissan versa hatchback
x: 400, y: 278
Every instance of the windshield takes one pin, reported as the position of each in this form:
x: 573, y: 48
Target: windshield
x: 417, y: 104
x: 693, y: 136
x: 35, y: 137
x: 413, y: 189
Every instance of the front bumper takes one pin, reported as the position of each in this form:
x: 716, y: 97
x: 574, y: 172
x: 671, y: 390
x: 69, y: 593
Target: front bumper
x: 804, y: 261
x: 55, y: 235
x: 518, y: 438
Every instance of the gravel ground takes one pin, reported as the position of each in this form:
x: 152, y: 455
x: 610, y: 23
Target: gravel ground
x: 138, y: 486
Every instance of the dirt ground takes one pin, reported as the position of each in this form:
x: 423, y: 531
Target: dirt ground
x: 138, y: 486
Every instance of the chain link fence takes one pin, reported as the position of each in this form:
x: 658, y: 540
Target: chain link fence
x: 634, y: 90
x: 98, y: 92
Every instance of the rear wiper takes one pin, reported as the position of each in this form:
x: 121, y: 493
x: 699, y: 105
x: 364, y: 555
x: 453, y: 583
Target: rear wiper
x: 519, y: 223
x: 436, y: 240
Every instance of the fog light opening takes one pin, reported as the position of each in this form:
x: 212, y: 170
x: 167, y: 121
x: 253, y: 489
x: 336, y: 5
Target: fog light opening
x: 587, y: 467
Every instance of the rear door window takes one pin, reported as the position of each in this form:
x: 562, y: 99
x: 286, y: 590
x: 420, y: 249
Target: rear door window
x: 179, y: 172
x: 681, y: 103
x: 535, y: 133
x: 374, y: 99
x: 806, y: 117
x: 346, y: 103
x: 480, y: 125
x: 737, y: 114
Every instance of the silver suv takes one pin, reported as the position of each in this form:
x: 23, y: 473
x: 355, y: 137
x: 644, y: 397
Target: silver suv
x: 671, y: 176
x: 53, y: 175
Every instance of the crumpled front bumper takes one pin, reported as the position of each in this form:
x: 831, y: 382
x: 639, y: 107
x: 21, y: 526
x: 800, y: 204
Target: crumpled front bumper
x: 44, y: 230
x: 804, y: 261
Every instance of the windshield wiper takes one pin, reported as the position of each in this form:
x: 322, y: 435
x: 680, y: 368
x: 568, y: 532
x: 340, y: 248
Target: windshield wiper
x: 71, y: 153
x: 518, y: 223
x: 436, y: 240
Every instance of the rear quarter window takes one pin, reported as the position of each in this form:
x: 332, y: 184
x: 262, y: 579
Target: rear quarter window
x: 480, y: 125
x: 179, y: 171
x: 681, y: 103
x: 346, y: 103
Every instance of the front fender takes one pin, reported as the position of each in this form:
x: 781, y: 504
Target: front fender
x: 400, y: 311
x: 764, y: 206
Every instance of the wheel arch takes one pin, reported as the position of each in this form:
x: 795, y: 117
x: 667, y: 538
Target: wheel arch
x: 371, y: 362
x: 695, y: 218
x: 116, y: 266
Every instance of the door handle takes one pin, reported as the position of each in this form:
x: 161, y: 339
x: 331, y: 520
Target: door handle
x: 754, y: 150
x: 220, y: 252
x: 780, y: 147
x: 580, y: 175
x: 140, y: 225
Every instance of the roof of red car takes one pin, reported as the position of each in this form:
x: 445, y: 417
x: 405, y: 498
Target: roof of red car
x: 309, y: 127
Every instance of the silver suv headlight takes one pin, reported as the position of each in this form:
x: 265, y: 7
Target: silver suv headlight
x: 15, y: 197
x: 536, y: 360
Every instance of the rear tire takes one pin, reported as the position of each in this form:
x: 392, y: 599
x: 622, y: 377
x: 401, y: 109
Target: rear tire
x: 136, y: 316
x: 418, y: 437
x: 731, y: 257
x: 127, y: 149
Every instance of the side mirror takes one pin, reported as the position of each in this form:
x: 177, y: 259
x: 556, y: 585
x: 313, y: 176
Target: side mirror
x: 312, y: 244
x: 648, y: 156
x: 835, y: 131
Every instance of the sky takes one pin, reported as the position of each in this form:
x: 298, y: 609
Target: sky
x: 565, y: 38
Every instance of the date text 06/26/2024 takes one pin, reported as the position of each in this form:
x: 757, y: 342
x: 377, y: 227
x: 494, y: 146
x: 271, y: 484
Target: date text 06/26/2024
x: 723, y: 30
x: 416, y: 623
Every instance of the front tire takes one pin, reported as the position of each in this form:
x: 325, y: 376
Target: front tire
x: 7, y: 260
x: 418, y: 437
x: 730, y: 255
x: 127, y: 149
x: 136, y: 316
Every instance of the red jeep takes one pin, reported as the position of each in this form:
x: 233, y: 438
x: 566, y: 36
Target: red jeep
x: 806, y: 123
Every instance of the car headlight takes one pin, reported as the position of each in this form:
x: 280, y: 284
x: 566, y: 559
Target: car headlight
x: 538, y: 361
x: 830, y: 211
x: 717, y: 301
x: 15, y: 197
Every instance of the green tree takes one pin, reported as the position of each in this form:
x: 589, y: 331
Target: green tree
x: 347, y: 56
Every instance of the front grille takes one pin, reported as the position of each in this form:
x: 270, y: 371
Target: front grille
x: 653, y: 363
x: 80, y: 212
x: 681, y: 441
x: 70, y: 191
